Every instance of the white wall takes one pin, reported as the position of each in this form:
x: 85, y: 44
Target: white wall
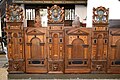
x: 0, y: 28
x: 81, y: 11
x: 113, y: 5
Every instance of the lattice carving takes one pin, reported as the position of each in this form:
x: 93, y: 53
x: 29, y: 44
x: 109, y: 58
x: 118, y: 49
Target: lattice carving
x: 100, y: 15
x: 55, y: 14
x: 14, y: 13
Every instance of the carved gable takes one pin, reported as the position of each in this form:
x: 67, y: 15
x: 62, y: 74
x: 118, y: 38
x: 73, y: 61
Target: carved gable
x: 35, y: 32
x: 116, y: 32
x: 76, y: 31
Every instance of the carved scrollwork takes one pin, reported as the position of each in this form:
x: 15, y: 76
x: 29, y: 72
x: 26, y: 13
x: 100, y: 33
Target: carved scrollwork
x: 14, y: 13
x: 55, y: 14
x: 16, y: 66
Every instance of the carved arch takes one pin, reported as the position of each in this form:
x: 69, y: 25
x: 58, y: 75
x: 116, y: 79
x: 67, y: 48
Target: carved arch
x: 117, y: 55
x: 77, y: 49
x: 35, y: 48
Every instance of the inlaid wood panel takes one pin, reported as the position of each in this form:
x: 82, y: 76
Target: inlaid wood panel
x: 35, y: 49
x: 55, y: 54
x: 77, y: 51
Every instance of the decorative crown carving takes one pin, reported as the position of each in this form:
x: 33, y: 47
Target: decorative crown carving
x: 55, y: 14
x: 14, y: 13
x: 100, y: 15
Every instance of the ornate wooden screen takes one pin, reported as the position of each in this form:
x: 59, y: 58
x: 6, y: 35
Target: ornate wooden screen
x: 59, y: 49
x: 99, y: 40
x: 14, y: 17
x: 114, y: 52
x: 55, y: 39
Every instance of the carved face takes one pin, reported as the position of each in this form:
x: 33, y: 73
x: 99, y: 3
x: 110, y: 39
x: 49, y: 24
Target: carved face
x: 100, y: 15
x: 55, y: 14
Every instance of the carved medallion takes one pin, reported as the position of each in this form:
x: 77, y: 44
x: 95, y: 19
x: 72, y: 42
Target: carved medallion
x: 14, y: 13
x: 55, y: 14
x: 100, y: 15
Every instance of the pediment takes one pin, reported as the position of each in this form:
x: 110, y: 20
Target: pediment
x: 117, y: 32
x: 76, y: 31
x: 35, y: 32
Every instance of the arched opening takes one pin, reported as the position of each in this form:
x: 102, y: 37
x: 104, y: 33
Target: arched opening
x: 77, y: 49
x: 35, y: 49
x: 117, y: 56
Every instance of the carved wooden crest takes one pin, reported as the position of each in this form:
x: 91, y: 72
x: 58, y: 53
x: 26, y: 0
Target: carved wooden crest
x: 100, y: 15
x: 76, y: 31
x: 14, y: 13
x: 55, y: 14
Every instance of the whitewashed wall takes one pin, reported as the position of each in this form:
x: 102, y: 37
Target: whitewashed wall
x: 113, y: 5
x: 81, y: 11
x: 0, y: 28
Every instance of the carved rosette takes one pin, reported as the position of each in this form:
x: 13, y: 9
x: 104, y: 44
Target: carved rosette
x: 14, y: 13
x: 100, y: 15
x: 16, y: 66
x: 55, y: 14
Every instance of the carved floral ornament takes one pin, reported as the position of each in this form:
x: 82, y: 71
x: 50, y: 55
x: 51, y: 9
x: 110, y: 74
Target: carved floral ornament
x: 55, y: 14
x: 100, y: 15
x: 14, y: 13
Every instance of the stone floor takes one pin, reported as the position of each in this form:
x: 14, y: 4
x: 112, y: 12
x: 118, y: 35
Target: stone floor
x: 3, y: 69
x: 65, y: 76
x: 5, y: 76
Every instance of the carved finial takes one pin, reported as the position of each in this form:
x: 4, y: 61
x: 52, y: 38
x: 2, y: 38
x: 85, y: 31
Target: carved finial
x: 37, y: 19
x: 76, y: 22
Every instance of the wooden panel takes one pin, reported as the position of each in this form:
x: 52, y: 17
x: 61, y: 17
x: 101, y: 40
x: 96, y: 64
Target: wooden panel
x: 117, y: 55
x: 35, y: 50
x: 99, y: 48
x: 55, y: 51
x: 77, y: 57
x: 77, y: 49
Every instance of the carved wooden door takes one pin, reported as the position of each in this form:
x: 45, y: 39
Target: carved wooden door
x: 55, y: 57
